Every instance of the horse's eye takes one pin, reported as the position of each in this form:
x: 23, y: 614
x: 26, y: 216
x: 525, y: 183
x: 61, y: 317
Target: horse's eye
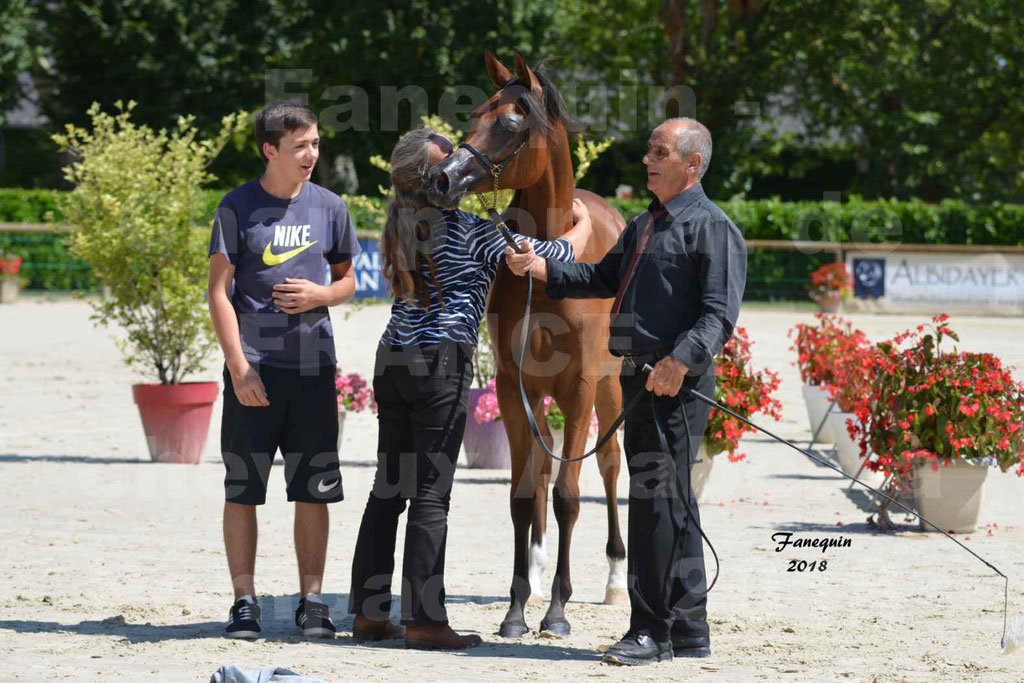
x: 510, y: 122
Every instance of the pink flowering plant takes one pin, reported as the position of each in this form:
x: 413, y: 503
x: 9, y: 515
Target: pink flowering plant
x: 487, y: 410
x: 831, y: 279
x: 487, y: 405
x: 354, y: 394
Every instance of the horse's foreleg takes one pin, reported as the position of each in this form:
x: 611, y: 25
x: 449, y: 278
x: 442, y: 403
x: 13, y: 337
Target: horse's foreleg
x: 521, y: 504
x: 566, y: 503
x: 609, y: 404
x: 538, y: 531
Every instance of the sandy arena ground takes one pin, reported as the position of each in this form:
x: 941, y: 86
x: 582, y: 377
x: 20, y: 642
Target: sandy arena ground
x: 113, y: 568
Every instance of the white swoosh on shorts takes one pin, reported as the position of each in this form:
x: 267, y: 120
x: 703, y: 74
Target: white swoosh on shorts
x: 324, y: 489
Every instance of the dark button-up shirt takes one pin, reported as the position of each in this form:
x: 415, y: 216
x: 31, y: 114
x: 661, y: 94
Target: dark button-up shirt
x: 685, y: 293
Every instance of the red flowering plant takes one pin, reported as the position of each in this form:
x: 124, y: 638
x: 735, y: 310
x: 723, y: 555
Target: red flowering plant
x: 831, y: 278
x: 354, y: 394
x: 743, y: 390
x: 9, y: 263
x: 852, y: 366
x: 932, y: 406
x: 819, y: 345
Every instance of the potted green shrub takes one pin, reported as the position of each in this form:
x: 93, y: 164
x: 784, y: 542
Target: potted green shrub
x: 137, y: 208
x: 10, y: 280
x: 938, y: 420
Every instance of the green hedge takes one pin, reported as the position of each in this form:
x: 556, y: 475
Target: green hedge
x: 772, y: 274
x: 857, y: 220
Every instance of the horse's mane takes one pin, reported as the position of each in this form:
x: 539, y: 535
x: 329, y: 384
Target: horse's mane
x: 552, y: 110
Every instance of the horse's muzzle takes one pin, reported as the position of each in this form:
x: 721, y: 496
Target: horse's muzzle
x: 451, y: 179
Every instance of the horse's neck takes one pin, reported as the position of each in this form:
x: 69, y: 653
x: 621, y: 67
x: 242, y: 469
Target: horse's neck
x: 549, y: 201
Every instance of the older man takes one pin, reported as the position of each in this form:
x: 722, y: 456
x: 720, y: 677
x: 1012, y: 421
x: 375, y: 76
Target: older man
x: 677, y: 275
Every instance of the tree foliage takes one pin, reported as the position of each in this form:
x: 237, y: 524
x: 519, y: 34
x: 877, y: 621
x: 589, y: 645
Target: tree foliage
x: 920, y: 94
x: 17, y: 50
x: 909, y: 99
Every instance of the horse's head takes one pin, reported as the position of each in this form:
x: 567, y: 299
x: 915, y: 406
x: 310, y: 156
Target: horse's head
x: 510, y: 137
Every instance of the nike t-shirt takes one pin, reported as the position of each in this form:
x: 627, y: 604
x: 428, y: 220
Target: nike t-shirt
x: 268, y: 239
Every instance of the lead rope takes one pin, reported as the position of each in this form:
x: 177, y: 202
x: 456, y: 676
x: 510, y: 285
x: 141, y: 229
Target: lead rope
x: 683, y: 493
x: 503, y: 229
x: 1006, y: 585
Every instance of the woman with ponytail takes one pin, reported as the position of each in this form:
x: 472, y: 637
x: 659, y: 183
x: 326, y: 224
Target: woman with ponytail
x: 440, y: 264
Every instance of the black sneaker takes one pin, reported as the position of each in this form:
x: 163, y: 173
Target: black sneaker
x: 635, y: 649
x: 314, y: 619
x: 244, y: 620
x: 691, y: 646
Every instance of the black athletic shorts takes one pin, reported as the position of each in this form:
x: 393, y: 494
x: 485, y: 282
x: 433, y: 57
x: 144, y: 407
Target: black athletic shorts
x: 301, y: 421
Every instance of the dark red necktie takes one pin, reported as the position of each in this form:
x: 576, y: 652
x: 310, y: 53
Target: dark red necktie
x: 640, y: 245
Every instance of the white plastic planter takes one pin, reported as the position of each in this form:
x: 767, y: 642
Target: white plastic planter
x: 950, y: 497
x: 848, y: 451
x: 817, y: 401
x: 700, y: 472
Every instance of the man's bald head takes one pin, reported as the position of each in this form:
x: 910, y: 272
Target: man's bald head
x: 678, y: 154
x: 691, y: 137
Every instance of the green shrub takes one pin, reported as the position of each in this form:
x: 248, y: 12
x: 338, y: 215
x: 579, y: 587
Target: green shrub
x: 140, y: 214
x: 46, y: 262
x: 772, y: 274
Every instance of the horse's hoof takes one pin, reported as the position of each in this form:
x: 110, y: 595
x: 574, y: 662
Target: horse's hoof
x: 616, y: 596
x: 535, y: 599
x: 559, y: 628
x: 513, y: 629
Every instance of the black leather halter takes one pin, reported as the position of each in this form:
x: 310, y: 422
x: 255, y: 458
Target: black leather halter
x: 495, y: 168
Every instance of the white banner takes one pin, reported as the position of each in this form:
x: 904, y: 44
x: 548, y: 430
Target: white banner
x: 938, y: 282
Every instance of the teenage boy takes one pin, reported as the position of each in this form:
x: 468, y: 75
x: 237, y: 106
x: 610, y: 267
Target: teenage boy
x: 273, y: 238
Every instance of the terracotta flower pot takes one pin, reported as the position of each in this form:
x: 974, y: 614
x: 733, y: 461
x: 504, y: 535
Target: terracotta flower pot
x: 950, y: 497
x: 829, y: 302
x: 176, y: 419
x: 485, y: 443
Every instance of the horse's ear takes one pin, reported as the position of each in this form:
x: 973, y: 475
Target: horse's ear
x: 499, y: 74
x: 526, y: 75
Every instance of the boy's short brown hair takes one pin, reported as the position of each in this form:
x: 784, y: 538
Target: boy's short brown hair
x: 278, y: 118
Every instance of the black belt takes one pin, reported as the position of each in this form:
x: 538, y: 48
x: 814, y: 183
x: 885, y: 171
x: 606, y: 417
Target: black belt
x: 638, y: 360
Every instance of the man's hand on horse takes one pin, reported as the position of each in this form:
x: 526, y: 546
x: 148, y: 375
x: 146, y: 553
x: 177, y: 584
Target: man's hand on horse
x: 521, y: 264
x: 667, y: 377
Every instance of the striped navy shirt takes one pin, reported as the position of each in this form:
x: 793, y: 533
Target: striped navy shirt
x: 465, y: 262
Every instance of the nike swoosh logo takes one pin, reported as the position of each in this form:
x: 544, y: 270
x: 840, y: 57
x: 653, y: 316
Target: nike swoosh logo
x: 272, y: 259
x: 324, y: 489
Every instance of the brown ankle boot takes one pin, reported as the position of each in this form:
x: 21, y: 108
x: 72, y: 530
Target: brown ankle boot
x: 438, y: 637
x: 366, y: 629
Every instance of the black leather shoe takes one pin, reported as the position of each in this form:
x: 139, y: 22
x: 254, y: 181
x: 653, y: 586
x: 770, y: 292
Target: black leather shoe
x: 691, y: 646
x: 635, y: 649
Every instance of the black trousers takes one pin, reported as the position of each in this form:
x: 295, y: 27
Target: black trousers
x: 422, y: 396
x: 666, y: 578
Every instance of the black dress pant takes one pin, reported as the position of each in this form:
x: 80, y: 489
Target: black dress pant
x: 666, y: 579
x: 422, y: 396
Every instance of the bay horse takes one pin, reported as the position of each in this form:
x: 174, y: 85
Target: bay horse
x: 523, y: 129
